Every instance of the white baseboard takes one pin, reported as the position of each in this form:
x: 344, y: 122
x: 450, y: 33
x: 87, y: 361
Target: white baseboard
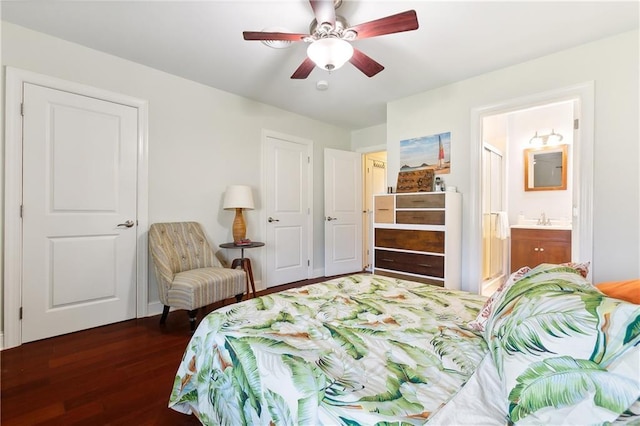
x: 154, y: 308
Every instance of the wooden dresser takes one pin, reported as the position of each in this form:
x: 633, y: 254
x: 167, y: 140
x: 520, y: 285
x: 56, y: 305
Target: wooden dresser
x: 417, y: 236
x: 531, y: 247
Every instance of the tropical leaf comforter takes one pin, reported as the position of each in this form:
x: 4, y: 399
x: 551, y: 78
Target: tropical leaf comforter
x: 359, y: 350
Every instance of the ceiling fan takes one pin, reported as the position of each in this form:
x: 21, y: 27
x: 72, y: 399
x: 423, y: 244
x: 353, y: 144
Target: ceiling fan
x: 330, y: 36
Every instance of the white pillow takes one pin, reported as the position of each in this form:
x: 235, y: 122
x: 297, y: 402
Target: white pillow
x: 566, y: 353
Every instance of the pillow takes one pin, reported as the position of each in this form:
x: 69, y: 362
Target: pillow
x: 565, y: 352
x: 580, y: 268
x: 628, y: 290
x: 480, y: 321
x: 576, y: 268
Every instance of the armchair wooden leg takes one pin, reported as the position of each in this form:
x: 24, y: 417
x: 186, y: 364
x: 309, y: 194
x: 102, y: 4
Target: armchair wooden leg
x: 192, y: 319
x: 239, y: 297
x: 165, y: 312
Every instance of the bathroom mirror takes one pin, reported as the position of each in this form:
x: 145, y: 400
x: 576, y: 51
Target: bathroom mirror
x: 545, y: 168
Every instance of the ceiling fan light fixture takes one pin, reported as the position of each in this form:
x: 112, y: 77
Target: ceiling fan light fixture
x: 330, y: 53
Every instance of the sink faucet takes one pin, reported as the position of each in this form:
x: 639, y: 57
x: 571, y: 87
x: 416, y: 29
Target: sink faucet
x: 543, y: 220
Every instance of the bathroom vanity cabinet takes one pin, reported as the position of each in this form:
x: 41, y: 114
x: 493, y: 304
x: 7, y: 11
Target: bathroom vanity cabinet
x: 531, y: 247
x: 417, y: 236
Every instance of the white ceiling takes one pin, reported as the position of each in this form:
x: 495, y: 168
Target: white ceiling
x: 202, y: 41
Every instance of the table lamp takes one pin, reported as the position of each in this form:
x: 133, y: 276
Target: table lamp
x: 238, y: 197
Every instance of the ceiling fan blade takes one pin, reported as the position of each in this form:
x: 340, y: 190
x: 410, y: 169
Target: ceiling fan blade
x: 262, y: 35
x: 365, y: 64
x: 304, y: 69
x: 324, y: 11
x: 404, y: 21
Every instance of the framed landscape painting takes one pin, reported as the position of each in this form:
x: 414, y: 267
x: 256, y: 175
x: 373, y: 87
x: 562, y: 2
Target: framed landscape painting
x: 426, y: 152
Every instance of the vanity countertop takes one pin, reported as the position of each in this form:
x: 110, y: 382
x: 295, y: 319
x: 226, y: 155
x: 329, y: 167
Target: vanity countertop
x: 552, y: 227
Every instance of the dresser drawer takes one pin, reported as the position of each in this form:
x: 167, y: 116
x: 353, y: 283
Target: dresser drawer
x: 383, y: 209
x: 422, y: 264
x: 409, y: 239
x: 420, y: 201
x: 420, y: 217
x: 401, y: 276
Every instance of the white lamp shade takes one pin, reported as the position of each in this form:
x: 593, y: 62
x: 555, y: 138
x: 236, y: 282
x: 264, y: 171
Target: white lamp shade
x: 330, y: 53
x: 238, y: 197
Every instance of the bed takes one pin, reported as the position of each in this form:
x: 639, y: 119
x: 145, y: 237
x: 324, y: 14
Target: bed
x: 371, y: 350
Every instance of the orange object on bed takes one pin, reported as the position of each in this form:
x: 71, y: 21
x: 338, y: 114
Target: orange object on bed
x: 628, y: 290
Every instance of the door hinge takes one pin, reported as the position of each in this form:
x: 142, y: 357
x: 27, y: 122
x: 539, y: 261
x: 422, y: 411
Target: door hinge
x: 22, y: 109
x: 308, y: 262
x: 20, y: 313
x: 576, y: 124
x: 21, y: 210
x: 308, y: 160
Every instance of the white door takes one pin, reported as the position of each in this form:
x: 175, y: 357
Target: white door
x: 79, y: 184
x: 287, y: 206
x: 343, y: 212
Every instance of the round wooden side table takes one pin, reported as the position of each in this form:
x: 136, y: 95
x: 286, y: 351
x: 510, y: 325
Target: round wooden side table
x: 244, y: 262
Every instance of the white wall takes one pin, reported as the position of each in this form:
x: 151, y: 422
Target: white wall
x: 613, y: 64
x: 494, y: 131
x: 200, y: 139
x: 374, y: 136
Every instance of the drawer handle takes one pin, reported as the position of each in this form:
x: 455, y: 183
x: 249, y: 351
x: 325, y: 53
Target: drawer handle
x: 383, y: 209
x: 541, y: 248
x: 388, y: 260
x: 536, y: 249
x: 426, y: 265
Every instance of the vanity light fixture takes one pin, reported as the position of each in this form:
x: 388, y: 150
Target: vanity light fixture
x: 552, y: 138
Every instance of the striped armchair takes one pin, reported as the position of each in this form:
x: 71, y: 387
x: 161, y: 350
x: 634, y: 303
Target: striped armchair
x: 189, y: 274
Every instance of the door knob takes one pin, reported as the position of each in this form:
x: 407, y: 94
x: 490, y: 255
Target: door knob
x: 273, y: 220
x: 329, y: 218
x: 128, y: 224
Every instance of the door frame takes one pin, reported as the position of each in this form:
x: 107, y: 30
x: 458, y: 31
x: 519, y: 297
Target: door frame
x: 582, y: 169
x: 12, y: 238
x: 364, y: 151
x: 310, y: 195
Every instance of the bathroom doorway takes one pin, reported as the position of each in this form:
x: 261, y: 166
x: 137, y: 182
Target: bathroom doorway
x: 504, y: 200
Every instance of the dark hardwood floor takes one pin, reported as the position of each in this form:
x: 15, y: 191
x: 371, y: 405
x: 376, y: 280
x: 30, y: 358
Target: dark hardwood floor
x: 119, y: 374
